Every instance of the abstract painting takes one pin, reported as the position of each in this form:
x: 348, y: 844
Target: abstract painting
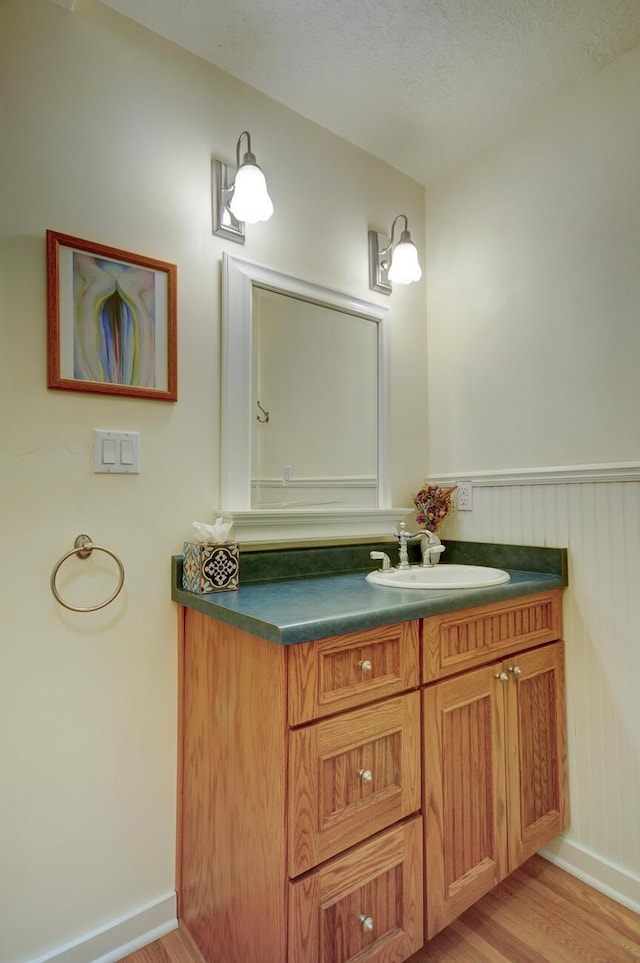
x: 111, y: 320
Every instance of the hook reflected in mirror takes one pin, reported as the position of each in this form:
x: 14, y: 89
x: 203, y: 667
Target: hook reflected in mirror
x: 265, y: 419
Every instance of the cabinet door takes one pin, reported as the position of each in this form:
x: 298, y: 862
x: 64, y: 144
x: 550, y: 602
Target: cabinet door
x: 536, y: 750
x: 352, y: 776
x: 364, y: 906
x: 464, y: 793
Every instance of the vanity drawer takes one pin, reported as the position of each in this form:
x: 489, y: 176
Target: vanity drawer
x: 455, y: 641
x: 364, y: 906
x: 350, y: 777
x: 344, y: 671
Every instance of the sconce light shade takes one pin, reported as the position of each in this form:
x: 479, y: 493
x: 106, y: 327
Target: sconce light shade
x: 250, y: 202
x: 239, y: 197
x: 389, y: 265
x: 405, y: 267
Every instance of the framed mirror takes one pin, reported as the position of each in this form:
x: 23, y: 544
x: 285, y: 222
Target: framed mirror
x: 304, y: 409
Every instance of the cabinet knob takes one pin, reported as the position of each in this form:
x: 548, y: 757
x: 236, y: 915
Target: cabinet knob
x: 502, y: 677
x: 366, y: 775
x: 365, y: 665
x: 367, y: 922
x: 515, y: 669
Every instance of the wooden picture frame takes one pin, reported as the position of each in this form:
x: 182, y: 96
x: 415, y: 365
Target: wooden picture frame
x: 111, y: 320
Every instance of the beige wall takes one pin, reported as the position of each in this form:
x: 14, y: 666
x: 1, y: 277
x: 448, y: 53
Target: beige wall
x: 533, y: 290
x: 533, y: 304
x: 107, y: 133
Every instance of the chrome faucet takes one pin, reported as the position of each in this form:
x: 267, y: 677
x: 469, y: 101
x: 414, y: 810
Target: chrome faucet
x: 403, y: 537
x: 430, y: 545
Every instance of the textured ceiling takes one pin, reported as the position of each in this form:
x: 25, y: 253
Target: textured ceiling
x: 422, y: 84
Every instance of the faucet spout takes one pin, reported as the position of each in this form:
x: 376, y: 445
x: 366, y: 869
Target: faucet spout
x: 430, y: 546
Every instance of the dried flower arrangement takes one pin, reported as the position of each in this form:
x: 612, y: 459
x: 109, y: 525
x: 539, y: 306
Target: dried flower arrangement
x: 433, y: 504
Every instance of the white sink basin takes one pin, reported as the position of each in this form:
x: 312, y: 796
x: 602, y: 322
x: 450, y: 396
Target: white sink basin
x: 440, y: 577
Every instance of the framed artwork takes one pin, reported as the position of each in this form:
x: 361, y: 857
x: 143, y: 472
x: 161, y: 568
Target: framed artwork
x: 111, y: 320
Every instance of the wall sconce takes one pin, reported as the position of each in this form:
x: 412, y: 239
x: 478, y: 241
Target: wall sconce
x: 397, y: 266
x: 240, y: 196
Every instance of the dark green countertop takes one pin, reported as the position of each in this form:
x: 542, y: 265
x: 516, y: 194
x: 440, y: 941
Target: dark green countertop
x: 296, y: 595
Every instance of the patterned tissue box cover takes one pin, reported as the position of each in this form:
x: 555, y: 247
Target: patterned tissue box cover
x: 210, y: 568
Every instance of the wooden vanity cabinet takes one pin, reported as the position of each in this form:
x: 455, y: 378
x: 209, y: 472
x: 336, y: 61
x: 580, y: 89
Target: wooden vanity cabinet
x: 300, y: 832
x: 323, y: 786
x: 494, y: 764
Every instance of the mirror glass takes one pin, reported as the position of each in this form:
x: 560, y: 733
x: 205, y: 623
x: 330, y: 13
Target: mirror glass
x: 315, y: 384
x: 304, y: 409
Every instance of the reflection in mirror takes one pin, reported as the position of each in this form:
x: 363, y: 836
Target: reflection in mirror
x: 304, y: 409
x: 315, y: 384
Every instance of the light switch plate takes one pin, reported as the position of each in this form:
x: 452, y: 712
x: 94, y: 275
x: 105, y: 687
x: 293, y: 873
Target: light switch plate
x: 116, y: 452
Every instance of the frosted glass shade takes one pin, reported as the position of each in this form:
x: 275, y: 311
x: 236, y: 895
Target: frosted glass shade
x: 405, y: 267
x: 250, y: 202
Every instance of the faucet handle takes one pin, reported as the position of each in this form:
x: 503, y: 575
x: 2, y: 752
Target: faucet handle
x: 386, y: 561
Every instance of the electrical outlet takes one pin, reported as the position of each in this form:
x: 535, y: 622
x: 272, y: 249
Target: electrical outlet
x: 465, y: 496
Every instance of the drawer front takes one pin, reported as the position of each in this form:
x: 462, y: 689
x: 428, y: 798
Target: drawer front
x: 345, y: 671
x: 365, y: 906
x: 456, y: 641
x: 350, y: 777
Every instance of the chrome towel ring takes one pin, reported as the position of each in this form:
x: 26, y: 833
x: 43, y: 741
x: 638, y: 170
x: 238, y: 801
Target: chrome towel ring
x: 83, y: 547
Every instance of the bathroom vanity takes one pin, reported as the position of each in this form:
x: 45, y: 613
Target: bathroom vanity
x: 358, y: 765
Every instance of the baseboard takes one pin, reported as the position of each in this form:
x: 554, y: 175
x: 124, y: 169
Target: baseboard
x: 604, y: 876
x: 120, y: 937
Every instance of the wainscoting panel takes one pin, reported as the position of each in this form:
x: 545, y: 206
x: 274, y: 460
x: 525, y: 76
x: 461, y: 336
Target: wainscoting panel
x: 599, y: 523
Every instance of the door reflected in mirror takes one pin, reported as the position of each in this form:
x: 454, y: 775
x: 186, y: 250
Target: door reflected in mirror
x: 315, y: 392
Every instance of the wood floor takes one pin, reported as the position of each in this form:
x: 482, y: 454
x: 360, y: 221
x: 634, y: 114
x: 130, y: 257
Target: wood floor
x: 539, y: 914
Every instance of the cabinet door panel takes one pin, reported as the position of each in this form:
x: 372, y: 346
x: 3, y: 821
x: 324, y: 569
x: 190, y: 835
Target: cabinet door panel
x: 350, y: 777
x: 342, y: 672
x: 464, y: 792
x: 537, y: 752
x: 364, y: 906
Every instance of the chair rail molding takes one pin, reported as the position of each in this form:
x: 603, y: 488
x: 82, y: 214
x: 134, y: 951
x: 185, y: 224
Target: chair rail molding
x: 556, y: 475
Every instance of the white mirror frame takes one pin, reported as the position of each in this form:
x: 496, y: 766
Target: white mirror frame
x: 287, y: 524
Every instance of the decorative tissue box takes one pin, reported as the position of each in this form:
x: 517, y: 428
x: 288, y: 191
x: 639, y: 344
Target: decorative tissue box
x: 211, y: 568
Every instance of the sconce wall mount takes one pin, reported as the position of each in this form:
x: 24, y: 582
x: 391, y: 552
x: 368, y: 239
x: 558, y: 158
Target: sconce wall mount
x: 224, y: 223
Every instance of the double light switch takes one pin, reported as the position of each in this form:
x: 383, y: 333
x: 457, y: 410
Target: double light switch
x: 116, y: 452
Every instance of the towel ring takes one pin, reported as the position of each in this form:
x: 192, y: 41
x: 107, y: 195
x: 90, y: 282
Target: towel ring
x: 83, y: 547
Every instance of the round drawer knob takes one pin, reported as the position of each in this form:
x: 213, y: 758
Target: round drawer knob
x: 366, y: 775
x: 367, y: 922
x: 502, y: 677
x: 515, y: 669
x: 365, y: 665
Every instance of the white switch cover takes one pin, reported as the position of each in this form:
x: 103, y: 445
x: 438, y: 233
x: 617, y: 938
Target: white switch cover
x: 116, y: 452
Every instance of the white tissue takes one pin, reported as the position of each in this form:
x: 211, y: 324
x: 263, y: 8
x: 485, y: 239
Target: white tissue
x: 217, y: 533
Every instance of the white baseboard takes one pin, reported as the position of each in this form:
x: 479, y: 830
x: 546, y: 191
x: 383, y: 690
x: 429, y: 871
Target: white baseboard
x: 606, y: 877
x: 120, y: 937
